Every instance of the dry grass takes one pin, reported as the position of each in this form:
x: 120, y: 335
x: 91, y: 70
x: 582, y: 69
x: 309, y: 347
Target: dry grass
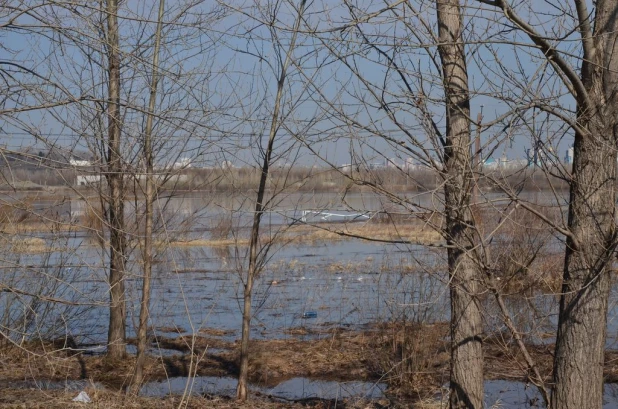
x: 431, y: 403
x: 204, y: 242
x: 523, y: 256
x: 412, y: 232
x: 36, y: 227
x: 341, y: 355
x: 198, y: 344
x: 412, y: 359
x: 338, y: 354
x: 29, y: 245
x: 214, y: 332
x: 114, y: 375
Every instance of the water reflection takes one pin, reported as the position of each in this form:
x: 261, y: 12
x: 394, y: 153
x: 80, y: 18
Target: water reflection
x: 292, y: 389
x: 519, y: 395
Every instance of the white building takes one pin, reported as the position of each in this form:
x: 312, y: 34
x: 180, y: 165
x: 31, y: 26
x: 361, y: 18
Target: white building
x: 88, y: 180
x: 182, y: 163
x: 346, y: 168
x: 79, y: 163
x: 568, y: 157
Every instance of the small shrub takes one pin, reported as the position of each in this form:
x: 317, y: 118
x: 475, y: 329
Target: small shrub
x: 222, y: 228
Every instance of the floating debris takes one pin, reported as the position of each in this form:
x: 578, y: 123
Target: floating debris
x: 82, y: 398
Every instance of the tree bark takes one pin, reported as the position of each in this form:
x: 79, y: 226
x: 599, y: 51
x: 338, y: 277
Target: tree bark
x: 466, y: 375
x: 582, y: 322
x: 116, y: 339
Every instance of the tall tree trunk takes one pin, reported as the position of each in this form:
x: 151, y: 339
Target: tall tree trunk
x: 466, y: 376
x: 150, y: 196
x: 116, y: 339
x: 582, y: 322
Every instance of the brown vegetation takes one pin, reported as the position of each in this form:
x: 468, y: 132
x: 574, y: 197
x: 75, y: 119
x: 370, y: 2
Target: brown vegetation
x: 59, y: 399
x: 297, y: 179
x: 413, y: 232
x: 412, y: 359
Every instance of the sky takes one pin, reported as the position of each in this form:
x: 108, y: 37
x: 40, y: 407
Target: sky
x: 220, y: 82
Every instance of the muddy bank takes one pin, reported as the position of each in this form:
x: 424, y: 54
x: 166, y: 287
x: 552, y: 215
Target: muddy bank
x: 57, y: 399
x: 412, y: 360
x: 392, y: 353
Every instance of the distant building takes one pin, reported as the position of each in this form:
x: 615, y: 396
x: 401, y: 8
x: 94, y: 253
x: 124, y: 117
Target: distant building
x: 409, y: 164
x: 490, y: 164
x: 375, y: 166
x: 504, y: 163
x: 541, y: 156
x: 182, y: 163
x: 88, y: 180
x: 392, y: 163
x: 568, y: 157
x: 79, y: 163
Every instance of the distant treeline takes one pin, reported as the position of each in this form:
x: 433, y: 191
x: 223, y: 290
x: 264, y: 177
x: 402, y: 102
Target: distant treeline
x: 30, y: 174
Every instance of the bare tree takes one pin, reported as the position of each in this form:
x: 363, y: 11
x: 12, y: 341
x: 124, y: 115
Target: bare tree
x: 44, y: 17
x: 150, y: 195
x: 406, y: 99
x: 409, y: 97
x: 114, y: 174
x: 113, y: 115
x: 466, y: 380
x: 258, y: 255
x: 589, y: 74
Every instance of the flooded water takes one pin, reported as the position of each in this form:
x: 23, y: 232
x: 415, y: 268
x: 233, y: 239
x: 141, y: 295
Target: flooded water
x: 292, y: 389
x: 346, y: 283
x: 341, y: 284
x: 45, y: 384
x: 303, y: 291
x: 518, y: 395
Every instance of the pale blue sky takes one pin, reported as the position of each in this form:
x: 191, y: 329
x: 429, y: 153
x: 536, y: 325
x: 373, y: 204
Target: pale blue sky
x: 245, y: 84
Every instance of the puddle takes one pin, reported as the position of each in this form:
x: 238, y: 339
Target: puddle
x: 197, y: 386
x: 132, y: 349
x: 518, y: 395
x: 44, y: 384
x: 217, y: 351
x: 296, y: 388
x: 299, y: 388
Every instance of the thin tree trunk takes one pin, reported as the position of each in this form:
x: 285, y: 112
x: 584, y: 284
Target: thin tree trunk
x: 582, y: 322
x: 150, y: 196
x: 466, y: 375
x: 116, y: 339
x: 254, y: 267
